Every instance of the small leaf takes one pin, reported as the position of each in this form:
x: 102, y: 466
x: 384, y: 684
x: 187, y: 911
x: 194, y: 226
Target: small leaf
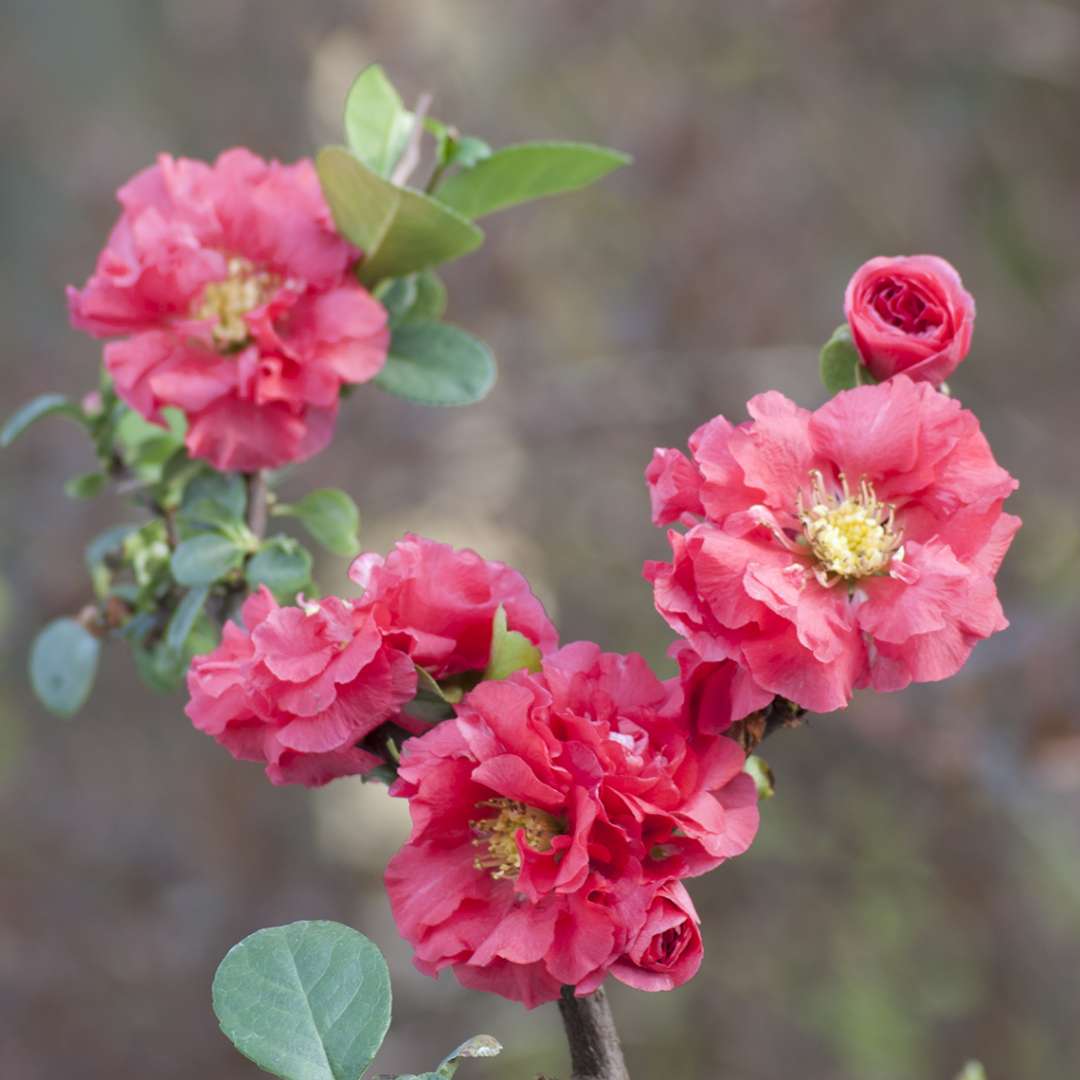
x: 518, y: 174
x: 973, y: 1070
x: 331, y: 517
x: 212, y: 498
x: 437, y: 364
x: 108, y: 543
x: 397, y: 295
x: 205, y: 558
x: 510, y: 650
x: 183, y: 618
x: 282, y: 565
x: 86, y: 485
x: 377, y: 124
x: 840, y: 363
x: 757, y: 768
x: 308, y: 1001
x: 63, y: 663
x: 32, y: 411
x: 431, y: 704
x: 399, y: 230
x: 430, y: 298
x: 479, y: 1046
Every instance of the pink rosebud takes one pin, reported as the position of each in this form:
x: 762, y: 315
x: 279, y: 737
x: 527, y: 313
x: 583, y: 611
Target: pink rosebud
x: 667, y: 950
x: 234, y: 300
x: 910, y: 314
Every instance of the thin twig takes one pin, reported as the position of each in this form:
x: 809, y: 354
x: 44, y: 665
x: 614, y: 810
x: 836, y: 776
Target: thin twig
x: 256, y: 509
x: 595, y: 1051
x: 411, y: 157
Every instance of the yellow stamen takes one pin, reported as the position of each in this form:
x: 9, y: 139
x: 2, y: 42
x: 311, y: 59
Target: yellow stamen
x: 226, y: 302
x: 498, y: 835
x: 850, y: 537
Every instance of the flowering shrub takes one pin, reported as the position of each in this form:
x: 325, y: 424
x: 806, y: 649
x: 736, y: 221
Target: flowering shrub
x: 559, y: 797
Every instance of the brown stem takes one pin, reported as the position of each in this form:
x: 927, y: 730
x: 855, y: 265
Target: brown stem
x: 757, y: 727
x: 595, y: 1052
x: 256, y: 512
x: 411, y: 157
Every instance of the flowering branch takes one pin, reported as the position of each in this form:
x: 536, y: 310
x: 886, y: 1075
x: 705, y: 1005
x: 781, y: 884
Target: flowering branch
x: 595, y: 1051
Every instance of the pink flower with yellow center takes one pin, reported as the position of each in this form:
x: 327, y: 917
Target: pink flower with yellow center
x: 853, y: 546
x: 234, y: 300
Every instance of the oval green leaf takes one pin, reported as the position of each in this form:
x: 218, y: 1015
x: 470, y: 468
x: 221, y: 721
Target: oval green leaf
x: 841, y: 368
x: 434, y: 363
x: 308, y: 1001
x: 332, y: 519
x: 399, y: 230
x: 32, y: 411
x: 204, y: 559
x: 377, y: 124
x: 63, y: 663
x: 528, y: 171
x: 282, y: 565
x: 85, y: 485
x: 183, y: 618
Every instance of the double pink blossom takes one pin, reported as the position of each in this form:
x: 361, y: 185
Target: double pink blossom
x: 235, y: 302
x: 552, y: 819
x: 438, y: 604
x: 298, y: 688
x: 853, y: 546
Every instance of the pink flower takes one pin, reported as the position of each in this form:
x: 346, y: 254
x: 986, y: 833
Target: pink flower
x: 910, y: 315
x: 667, y: 950
x: 853, y: 546
x: 299, y: 689
x: 437, y: 604
x: 549, y: 815
x: 236, y: 303
x: 716, y: 693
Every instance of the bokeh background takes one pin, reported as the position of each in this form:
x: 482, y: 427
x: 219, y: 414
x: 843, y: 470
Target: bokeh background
x: 914, y: 896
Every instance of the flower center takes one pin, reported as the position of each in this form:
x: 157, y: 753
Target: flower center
x: 497, y: 835
x: 226, y: 302
x: 852, y: 536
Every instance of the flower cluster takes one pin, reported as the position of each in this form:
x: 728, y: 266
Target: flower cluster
x: 553, y: 819
x: 303, y: 688
x: 235, y: 302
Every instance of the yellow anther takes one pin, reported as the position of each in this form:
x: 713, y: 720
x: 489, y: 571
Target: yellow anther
x: 226, y: 302
x: 498, y: 835
x: 851, y: 536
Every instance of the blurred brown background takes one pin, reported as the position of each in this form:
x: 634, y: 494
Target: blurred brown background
x: 914, y: 896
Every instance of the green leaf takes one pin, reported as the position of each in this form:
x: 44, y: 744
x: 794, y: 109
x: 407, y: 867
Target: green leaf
x: 510, y: 650
x: 205, y: 558
x: 399, y: 230
x: 331, y: 517
x: 430, y: 704
x: 430, y: 298
x: 479, y: 1046
x: 184, y: 617
x: 841, y: 368
x: 213, y: 497
x: 86, y: 485
x: 282, y: 565
x: 32, y: 411
x: 308, y: 1001
x: 757, y: 768
x: 108, y: 542
x: 397, y: 295
x: 63, y: 663
x: 518, y: 174
x: 437, y: 364
x: 973, y: 1070
x: 377, y: 124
